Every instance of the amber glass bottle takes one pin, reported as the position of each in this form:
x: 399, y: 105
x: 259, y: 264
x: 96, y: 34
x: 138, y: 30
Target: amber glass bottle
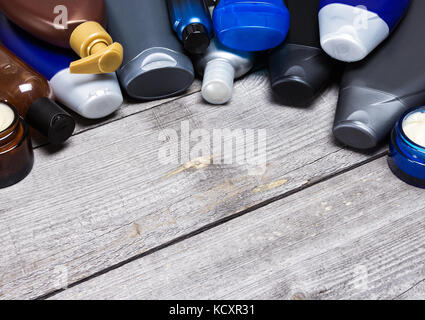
x: 16, y: 153
x: 30, y: 93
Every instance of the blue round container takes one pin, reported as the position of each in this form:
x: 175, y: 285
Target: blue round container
x: 406, y: 158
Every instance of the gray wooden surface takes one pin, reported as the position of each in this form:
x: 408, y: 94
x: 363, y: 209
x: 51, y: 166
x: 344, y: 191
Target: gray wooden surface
x: 103, y: 218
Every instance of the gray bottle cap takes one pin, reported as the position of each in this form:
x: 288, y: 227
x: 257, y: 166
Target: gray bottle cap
x: 142, y: 76
x: 365, y: 116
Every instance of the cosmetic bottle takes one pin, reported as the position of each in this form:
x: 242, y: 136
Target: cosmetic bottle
x: 92, y: 96
x: 351, y: 29
x: 16, y: 153
x: 155, y: 65
x: 299, y: 68
x: 376, y: 91
x: 191, y: 20
x: 249, y: 25
x: 76, y: 24
x: 407, y: 148
x: 30, y: 93
x: 220, y: 66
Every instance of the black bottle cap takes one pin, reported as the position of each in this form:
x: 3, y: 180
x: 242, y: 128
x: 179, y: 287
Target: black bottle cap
x: 298, y: 73
x: 50, y: 120
x: 196, y: 39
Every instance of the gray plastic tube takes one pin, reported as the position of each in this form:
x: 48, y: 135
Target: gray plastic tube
x: 299, y: 68
x: 154, y: 65
x: 374, y: 93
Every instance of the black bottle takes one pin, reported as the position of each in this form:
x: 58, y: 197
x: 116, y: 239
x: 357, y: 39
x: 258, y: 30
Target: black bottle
x: 299, y: 68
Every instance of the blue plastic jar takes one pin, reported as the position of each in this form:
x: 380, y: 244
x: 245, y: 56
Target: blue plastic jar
x: 407, y: 158
x: 249, y: 25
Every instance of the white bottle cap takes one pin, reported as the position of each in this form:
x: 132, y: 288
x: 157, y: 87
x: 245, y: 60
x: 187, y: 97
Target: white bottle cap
x: 219, y: 76
x: 349, y: 33
x: 92, y: 96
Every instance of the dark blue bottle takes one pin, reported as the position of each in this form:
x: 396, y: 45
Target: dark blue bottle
x: 191, y: 20
x: 250, y: 25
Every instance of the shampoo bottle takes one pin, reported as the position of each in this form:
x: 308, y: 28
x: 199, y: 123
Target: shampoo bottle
x: 191, y: 20
x: 299, y: 68
x: 250, y: 25
x: 30, y: 93
x: 92, y: 96
x: 351, y: 29
x: 155, y: 65
x: 375, y: 92
x: 76, y: 24
x: 219, y: 67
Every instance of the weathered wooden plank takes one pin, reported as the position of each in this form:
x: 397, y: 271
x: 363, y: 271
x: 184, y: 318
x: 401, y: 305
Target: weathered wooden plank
x: 106, y: 198
x: 356, y: 236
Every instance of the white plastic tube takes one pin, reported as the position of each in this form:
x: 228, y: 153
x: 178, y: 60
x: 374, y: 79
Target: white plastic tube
x: 350, y: 33
x: 91, y: 96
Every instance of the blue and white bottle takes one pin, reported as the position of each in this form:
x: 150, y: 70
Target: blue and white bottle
x: 351, y: 29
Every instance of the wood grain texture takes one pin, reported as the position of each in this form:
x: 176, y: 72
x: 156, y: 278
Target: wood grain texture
x: 359, y: 235
x: 106, y: 198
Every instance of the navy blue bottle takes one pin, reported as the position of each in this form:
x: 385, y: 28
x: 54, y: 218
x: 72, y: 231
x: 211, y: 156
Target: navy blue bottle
x: 191, y: 20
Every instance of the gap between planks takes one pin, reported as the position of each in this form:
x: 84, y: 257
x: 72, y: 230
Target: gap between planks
x: 213, y: 225
x: 358, y: 235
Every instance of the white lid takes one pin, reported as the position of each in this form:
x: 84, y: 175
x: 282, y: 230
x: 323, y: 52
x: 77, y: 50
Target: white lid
x: 219, y: 76
x: 349, y: 33
x: 92, y: 96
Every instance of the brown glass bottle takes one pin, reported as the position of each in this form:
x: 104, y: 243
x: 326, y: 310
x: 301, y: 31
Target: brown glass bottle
x: 38, y: 17
x: 30, y: 93
x: 16, y: 153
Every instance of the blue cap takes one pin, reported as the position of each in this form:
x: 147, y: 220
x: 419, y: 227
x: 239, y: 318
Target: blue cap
x: 251, y: 25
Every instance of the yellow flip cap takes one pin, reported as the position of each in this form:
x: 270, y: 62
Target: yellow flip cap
x: 96, y: 48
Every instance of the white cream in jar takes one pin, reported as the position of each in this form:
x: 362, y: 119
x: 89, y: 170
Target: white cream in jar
x: 7, y: 116
x: 414, y: 127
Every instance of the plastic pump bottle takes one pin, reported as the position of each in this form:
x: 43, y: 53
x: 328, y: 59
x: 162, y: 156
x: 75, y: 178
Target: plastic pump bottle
x: 191, y: 20
x: 351, y: 29
x: 220, y: 66
x: 92, y: 96
x: 76, y: 24
x: 250, y: 25
x: 155, y: 65
x: 299, y: 68
x: 375, y: 92
x: 30, y: 93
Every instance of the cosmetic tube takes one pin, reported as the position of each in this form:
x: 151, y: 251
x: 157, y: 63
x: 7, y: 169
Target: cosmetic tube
x: 155, y: 65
